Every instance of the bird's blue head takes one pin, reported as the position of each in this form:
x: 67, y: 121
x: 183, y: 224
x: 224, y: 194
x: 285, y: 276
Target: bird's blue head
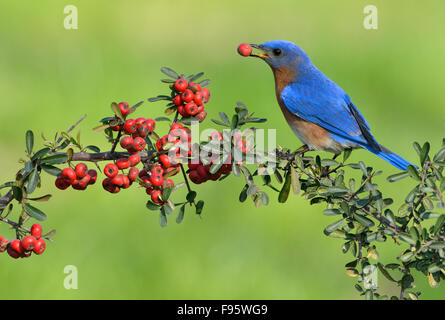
x: 280, y: 54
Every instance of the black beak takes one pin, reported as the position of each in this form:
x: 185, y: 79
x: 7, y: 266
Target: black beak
x: 262, y: 55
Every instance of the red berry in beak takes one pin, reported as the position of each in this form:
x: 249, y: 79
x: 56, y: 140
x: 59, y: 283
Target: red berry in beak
x: 244, y: 49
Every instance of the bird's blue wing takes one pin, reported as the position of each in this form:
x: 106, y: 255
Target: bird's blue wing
x: 324, y: 103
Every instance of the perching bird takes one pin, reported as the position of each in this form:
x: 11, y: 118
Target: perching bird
x: 319, y: 112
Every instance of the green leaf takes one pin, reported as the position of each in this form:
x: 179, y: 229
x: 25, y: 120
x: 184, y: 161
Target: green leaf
x: 40, y: 153
x: 166, y: 193
x: 17, y: 193
x: 152, y: 206
x: 334, y: 226
x: 440, y: 156
x: 407, y: 238
x: 235, y: 121
x: 33, y: 181
x: 295, y: 181
x: 439, y: 223
x: 331, y: 212
x: 159, y: 98
x: 54, y: 171
x: 55, y: 159
x: 191, y: 196
x: 385, y: 272
x: 346, y: 154
x: 41, y: 199
x: 397, y: 176
x: 413, y: 173
x: 364, y: 221
x: 199, y: 206
x: 29, y: 141
x: 180, y: 216
x: 424, y: 153
x: 407, y: 256
x: 442, y: 185
x: 169, y: 72
x: 93, y: 148
x: 34, y: 212
x: 284, y: 193
x: 243, y: 194
x: 117, y: 111
x: 162, y: 218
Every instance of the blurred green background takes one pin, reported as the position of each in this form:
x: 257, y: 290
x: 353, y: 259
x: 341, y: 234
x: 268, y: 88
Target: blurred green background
x: 51, y: 76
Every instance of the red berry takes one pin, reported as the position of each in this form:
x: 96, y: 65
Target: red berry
x: 140, y: 121
x: 157, y: 170
x: 181, y: 111
x: 130, y: 126
x: 194, y: 87
x: 93, y: 176
x: 187, y: 96
x: 139, y: 144
x: 125, y: 181
x: 181, y: 85
x: 133, y: 174
x: 143, y: 130
x: 157, y: 180
x: 243, y: 146
x: 165, y: 160
x: 177, y: 100
x: 191, y: 108
x: 195, y: 177
x: 126, y: 142
x: 12, y: 253
x: 201, y: 116
x: 16, y: 245
x: 216, y: 135
x: 39, y: 246
x: 134, y: 159
x: 244, y: 49
x: 36, y: 230
x: 3, y: 244
x: 155, y: 196
x: 123, y: 163
x: 62, y: 184
x: 115, y: 128
x: 124, y: 108
x: 176, y: 125
x: 205, y: 95
x: 118, y: 180
x: 198, y: 98
x: 69, y: 174
x: 83, y: 183
x: 28, y: 242
x: 81, y: 170
x: 168, y: 183
x: 151, y: 124
x: 111, y: 170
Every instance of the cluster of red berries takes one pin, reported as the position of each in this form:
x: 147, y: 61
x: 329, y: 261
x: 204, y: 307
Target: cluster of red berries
x: 116, y: 181
x: 153, y: 180
x: 190, y: 99
x: 79, y: 177
x: 180, y: 137
x: 24, y: 248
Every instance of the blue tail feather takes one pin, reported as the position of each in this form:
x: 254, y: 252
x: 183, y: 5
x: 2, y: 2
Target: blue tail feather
x: 387, y: 155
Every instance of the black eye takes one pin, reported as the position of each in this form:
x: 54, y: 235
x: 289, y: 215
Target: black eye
x: 276, y: 52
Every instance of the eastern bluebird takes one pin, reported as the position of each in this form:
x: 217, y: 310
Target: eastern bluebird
x: 319, y: 112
